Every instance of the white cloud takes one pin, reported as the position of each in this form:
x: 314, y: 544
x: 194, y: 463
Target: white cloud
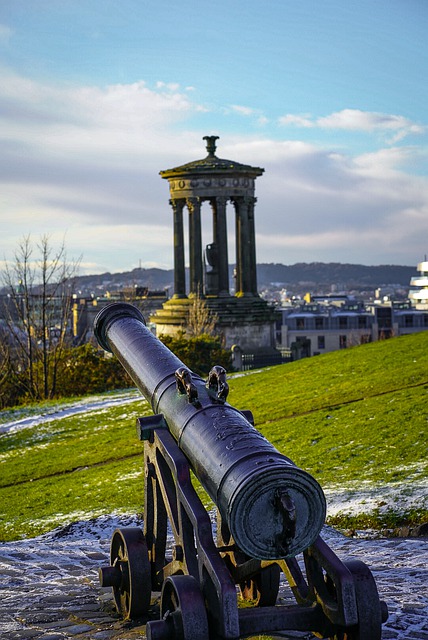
x: 171, y: 86
x: 89, y: 140
x: 357, y: 120
x: 259, y: 119
x: 331, y: 207
x: 86, y: 160
x: 243, y: 111
x: 297, y: 120
x: 121, y: 106
x: 367, y: 121
x: 262, y: 121
x: 389, y: 159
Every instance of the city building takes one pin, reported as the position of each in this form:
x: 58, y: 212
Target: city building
x: 418, y: 294
x: 322, y: 324
x: 85, y: 308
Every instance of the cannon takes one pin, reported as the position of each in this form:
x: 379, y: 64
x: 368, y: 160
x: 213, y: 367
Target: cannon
x: 269, y: 515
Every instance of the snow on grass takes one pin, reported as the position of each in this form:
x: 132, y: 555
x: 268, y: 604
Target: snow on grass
x: 79, y: 521
x: 130, y: 476
x: 349, y: 499
x: 365, y: 497
x: 22, y: 417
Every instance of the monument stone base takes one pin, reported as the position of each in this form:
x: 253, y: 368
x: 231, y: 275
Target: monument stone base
x: 247, y: 321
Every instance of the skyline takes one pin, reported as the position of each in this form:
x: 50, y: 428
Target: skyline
x: 97, y: 98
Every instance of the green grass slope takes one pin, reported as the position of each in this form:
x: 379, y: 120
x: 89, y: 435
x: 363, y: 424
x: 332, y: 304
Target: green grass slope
x: 355, y: 419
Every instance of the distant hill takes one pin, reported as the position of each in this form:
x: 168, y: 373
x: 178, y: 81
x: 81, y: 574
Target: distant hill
x: 347, y: 276
x: 150, y: 278
x: 335, y: 272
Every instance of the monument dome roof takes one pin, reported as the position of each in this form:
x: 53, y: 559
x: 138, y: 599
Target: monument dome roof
x: 212, y: 164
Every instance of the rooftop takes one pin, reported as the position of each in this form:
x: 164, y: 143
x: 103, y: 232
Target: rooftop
x: 212, y: 164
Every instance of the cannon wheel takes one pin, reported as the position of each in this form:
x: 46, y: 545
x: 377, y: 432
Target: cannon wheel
x: 369, y: 608
x: 129, y: 553
x: 183, y: 613
x: 263, y: 589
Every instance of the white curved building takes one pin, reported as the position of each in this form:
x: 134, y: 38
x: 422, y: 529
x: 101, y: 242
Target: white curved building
x: 418, y: 294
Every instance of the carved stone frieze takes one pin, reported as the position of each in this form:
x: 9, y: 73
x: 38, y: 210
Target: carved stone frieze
x: 211, y: 186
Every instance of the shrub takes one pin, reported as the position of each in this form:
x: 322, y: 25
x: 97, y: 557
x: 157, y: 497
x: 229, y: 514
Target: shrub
x: 199, y: 353
x: 88, y: 370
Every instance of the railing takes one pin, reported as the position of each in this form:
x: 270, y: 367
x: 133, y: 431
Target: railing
x: 258, y: 361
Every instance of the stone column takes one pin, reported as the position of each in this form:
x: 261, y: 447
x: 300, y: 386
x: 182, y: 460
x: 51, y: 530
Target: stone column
x: 195, y: 246
x: 252, y: 240
x: 220, y: 238
x: 243, y: 248
x: 179, y: 268
x: 238, y: 258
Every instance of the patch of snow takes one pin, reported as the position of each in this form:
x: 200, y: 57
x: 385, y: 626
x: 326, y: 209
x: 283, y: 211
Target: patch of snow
x: 92, y: 404
x: 367, y: 497
x: 250, y: 372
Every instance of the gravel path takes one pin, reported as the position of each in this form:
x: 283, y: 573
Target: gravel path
x: 49, y: 586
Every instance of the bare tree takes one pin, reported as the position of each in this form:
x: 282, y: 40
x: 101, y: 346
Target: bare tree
x: 201, y: 319
x: 38, y: 307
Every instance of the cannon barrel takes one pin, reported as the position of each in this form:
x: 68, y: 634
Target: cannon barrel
x: 273, y: 508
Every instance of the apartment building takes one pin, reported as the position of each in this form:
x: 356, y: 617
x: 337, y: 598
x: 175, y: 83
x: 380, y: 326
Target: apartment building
x: 324, y: 325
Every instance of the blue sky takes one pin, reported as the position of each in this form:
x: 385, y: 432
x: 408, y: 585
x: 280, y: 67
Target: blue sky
x: 329, y: 96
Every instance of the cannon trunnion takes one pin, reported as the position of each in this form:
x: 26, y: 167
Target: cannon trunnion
x: 268, y: 512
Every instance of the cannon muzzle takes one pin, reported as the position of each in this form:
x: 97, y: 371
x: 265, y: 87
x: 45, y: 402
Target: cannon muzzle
x: 273, y: 508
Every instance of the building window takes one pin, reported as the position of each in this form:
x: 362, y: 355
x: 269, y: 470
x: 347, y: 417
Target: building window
x: 342, y: 342
x: 408, y: 321
x: 319, y: 323
x: 300, y: 323
x: 343, y: 322
x: 384, y: 317
x: 362, y: 322
x: 321, y: 342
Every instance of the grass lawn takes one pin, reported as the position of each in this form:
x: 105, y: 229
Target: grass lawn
x: 356, y: 419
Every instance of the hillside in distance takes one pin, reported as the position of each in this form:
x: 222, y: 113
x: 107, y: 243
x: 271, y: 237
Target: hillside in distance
x: 335, y: 272
x: 346, y: 276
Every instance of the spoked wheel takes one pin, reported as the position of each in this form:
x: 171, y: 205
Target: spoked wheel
x: 129, y: 574
x: 262, y: 590
x: 183, y: 613
x: 371, y: 612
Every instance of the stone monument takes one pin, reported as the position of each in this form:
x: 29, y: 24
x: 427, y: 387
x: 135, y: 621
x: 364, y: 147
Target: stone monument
x: 244, y: 319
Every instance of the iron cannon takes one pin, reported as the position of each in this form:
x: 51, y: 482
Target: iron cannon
x: 268, y: 512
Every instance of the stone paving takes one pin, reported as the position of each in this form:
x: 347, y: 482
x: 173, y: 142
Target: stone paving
x: 49, y: 585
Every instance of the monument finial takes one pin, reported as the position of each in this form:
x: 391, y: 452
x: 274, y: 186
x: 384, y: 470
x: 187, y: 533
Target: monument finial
x: 211, y: 145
